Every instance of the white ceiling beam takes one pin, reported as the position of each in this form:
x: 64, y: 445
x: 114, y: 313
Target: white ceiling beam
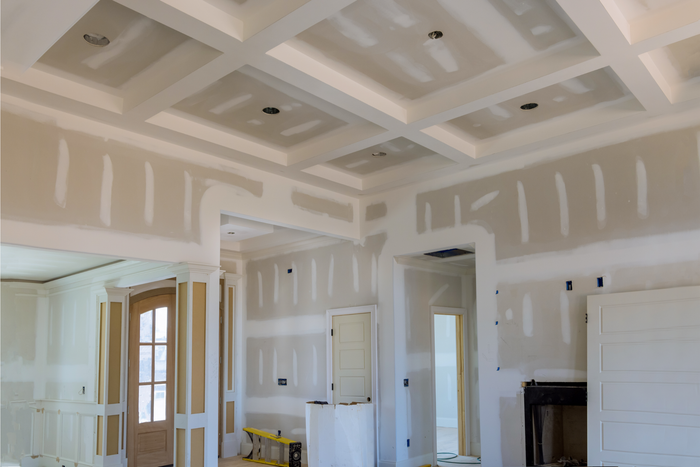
x: 599, y: 27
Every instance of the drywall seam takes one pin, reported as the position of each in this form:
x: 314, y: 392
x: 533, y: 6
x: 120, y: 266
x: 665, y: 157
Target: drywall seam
x: 642, y: 207
x: 187, y: 208
x: 563, y: 204
x: 599, y: 195
x: 484, y: 200
x: 150, y: 195
x: 62, y: 173
x: 522, y: 212
x: 106, y: 192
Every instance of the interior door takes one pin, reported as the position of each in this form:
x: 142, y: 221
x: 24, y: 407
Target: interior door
x: 644, y: 378
x: 151, y: 388
x: 352, y: 358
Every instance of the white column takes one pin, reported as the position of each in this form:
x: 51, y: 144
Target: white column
x: 196, y: 365
x: 111, y: 373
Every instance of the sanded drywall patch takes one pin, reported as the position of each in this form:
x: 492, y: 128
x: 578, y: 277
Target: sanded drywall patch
x: 375, y: 211
x: 323, y: 206
x: 589, y: 197
x: 115, y: 342
x: 182, y: 350
x: 199, y: 340
x: 48, y: 177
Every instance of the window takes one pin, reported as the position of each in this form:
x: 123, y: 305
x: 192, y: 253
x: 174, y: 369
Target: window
x: 153, y: 365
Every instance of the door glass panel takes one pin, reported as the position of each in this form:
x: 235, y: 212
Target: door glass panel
x: 161, y: 362
x: 161, y: 324
x: 146, y: 327
x: 158, y: 402
x: 145, y: 403
x: 145, y: 362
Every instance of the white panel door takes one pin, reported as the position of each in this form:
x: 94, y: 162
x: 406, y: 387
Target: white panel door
x: 352, y: 358
x: 644, y: 378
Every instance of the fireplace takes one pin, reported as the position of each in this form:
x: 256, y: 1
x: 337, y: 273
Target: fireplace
x: 555, y: 423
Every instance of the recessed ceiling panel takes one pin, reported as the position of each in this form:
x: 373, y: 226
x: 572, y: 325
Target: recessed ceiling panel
x: 685, y: 58
x: 388, y: 41
x: 388, y: 155
x: 632, y: 9
x: 35, y: 264
x: 554, y: 101
x: 135, y: 43
x: 236, y: 102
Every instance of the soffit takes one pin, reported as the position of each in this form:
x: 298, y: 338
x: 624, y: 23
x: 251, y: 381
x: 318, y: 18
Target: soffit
x: 351, y: 77
x: 34, y: 264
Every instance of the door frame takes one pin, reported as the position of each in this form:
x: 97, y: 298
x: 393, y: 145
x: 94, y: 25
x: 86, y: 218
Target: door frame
x: 355, y: 310
x: 463, y: 416
x: 155, y: 289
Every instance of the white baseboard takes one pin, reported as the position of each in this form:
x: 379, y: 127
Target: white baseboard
x: 447, y: 422
x: 382, y: 463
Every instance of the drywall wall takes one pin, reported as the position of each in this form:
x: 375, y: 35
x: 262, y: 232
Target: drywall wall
x: 86, y: 178
x: 284, y: 331
x: 627, y: 212
x: 646, y: 186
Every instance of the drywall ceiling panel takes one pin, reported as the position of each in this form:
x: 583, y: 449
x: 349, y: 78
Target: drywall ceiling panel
x: 589, y: 90
x: 397, y: 152
x: 136, y: 43
x: 386, y: 41
x: 236, y: 102
x: 34, y: 264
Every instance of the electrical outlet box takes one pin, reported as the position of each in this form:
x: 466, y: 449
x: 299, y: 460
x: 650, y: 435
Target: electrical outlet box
x: 282, y: 382
x: 569, y: 285
x: 600, y: 282
x: 405, y: 383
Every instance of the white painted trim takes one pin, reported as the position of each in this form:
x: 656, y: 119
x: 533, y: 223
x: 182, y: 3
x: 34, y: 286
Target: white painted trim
x: 442, y: 310
x: 372, y: 310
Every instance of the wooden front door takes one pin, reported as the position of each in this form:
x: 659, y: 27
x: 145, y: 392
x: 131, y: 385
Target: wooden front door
x: 151, y: 382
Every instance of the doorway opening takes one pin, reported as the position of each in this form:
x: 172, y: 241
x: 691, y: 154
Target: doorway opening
x: 439, y: 297
x: 450, y: 400
x: 150, y: 431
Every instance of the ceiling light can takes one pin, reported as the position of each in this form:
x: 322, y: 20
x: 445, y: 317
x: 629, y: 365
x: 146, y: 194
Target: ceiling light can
x: 271, y: 110
x: 98, y: 40
x: 379, y: 154
x: 529, y: 106
x: 435, y: 34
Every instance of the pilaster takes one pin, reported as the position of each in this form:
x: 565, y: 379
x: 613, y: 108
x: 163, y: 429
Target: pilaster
x: 196, y: 365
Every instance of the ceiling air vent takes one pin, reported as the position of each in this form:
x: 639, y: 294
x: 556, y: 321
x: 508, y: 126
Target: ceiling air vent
x: 452, y: 252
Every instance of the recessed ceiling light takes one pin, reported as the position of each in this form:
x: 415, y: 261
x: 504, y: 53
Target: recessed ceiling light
x: 231, y: 233
x: 435, y: 34
x: 271, y: 110
x: 98, y: 40
x: 530, y: 106
x: 379, y: 154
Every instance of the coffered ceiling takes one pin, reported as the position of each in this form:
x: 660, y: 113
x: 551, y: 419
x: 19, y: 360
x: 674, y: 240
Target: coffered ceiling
x: 360, y: 96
